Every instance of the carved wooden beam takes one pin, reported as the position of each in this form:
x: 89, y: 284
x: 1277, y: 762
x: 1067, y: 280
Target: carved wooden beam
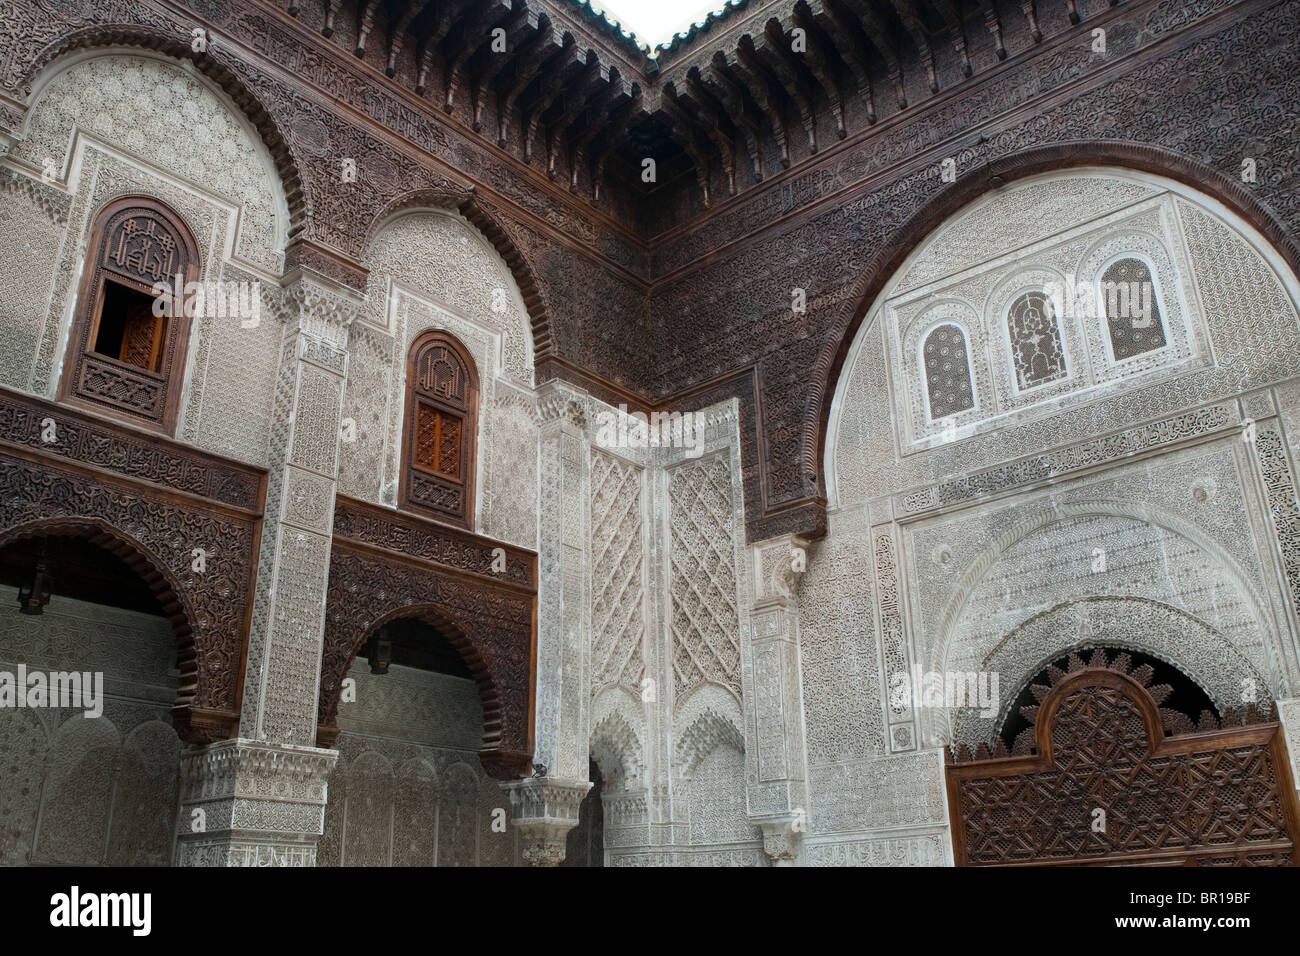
x: 619, y: 121
x: 726, y: 99
x: 538, y: 97
x: 365, y: 23
x: 1030, y: 9
x: 427, y: 49
x: 542, y: 49
x: 817, y: 59
x: 472, y: 32
x: 994, y: 21
x: 771, y: 54
x: 709, y: 122
x: 331, y: 11
x: 484, y: 67
x: 916, y: 30
x: 948, y: 10
x: 397, y: 34
x: 743, y: 76
x: 684, y: 130
x: 879, y: 37
x: 569, y: 105
x: 831, y: 32
x: 598, y: 115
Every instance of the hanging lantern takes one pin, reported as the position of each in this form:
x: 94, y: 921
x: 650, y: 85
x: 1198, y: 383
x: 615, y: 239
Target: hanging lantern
x: 35, y: 594
x: 380, y: 651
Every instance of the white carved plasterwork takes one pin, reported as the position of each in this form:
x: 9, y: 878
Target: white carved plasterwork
x: 1248, y: 313
x: 1137, y: 624
x: 618, y: 573
x: 409, y: 789
x: 705, y: 620
x: 134, y: 103
x: 1068, y: 267
x: 432, y: 270
x: 81, y: 790
x: 250, y: 803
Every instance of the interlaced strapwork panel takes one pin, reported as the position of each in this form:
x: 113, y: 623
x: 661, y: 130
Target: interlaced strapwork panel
x: 616, y: 568
x: 705, y: 622
x: 1106, y: 783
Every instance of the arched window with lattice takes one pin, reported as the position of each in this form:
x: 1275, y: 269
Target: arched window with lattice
x: 126, y: 352
x: 948, y: 382
x: 441, y: 429
x: 1127, y: 296
x: 1037, y: 353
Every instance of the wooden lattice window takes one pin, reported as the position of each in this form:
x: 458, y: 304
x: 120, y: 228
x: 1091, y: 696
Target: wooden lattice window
x: 123, y: 356
x: 441, y: 428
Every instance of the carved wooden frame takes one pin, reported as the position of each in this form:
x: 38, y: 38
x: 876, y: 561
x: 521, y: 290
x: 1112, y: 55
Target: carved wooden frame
x: 81, y: 358
x: 468, y: 416
x: 386, y: 565
x: 151, y: 502
x: 1267, y: 738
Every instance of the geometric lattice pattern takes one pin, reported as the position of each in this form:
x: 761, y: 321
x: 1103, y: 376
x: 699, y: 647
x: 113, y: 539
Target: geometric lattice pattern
x: 947, y: 372
x: 616, y: 574
x: 1107, y: 784
x: 1036, y: 346
x: 1127, y: 293
x: 705, y: 623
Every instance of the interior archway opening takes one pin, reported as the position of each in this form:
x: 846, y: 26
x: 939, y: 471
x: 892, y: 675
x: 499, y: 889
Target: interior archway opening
x: 88, y: 678
x: 409, y: 788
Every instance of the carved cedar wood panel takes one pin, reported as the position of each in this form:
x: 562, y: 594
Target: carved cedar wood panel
x: 152, y: 503
x: 1220, y: 796
x: 386, y: 565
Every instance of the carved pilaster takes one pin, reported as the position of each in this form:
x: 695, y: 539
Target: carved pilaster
x: 563, y: 613
x: 780, y: 788
x: 544, y: 810
x: 246, y: 803
x: 283, y: 675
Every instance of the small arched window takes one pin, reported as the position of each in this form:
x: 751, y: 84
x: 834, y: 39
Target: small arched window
x: 126, y: 353
x: 947, y: 372
x: 1128, y: 298
x: 1036, y: 349
x: 441, y: 429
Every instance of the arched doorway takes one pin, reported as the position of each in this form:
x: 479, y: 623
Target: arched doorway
x: 88, y: 679
x: 408, y: 788
x: 586, y: 841
x: 1108, y: 774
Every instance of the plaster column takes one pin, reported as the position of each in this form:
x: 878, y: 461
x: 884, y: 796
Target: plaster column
x: 778, y: 797
x: 260, y: 799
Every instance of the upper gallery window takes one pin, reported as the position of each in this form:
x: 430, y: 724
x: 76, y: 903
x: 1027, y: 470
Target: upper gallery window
x: 441, y: 428
x: 126, y: 353
x: 1036, y: 349
x: 947, y: 372
x: 1127, y: 297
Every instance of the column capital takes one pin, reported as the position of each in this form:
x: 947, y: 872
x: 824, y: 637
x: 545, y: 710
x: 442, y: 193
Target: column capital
x: 545, y: 810
x: 778, y: 563
x: 782, y: 834
x: 251, y: 803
